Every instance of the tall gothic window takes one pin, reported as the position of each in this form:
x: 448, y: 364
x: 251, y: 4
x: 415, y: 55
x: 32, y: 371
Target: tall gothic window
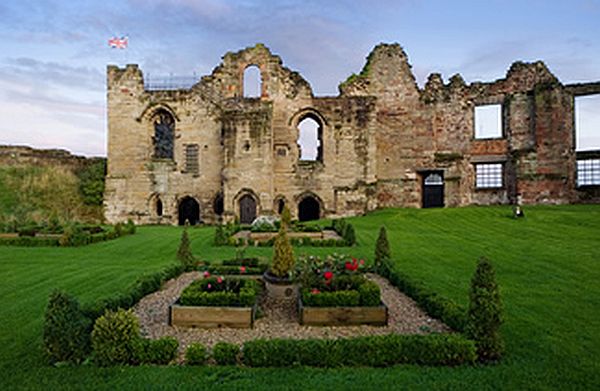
x: 164, y: 135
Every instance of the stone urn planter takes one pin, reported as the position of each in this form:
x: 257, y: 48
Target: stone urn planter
x: 280, y: 288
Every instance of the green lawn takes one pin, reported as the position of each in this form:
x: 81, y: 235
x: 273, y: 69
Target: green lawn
x: 547, y: 266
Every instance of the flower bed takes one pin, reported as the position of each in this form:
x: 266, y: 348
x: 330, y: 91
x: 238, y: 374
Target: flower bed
x: 215, y: 302
x: 335, y: 293
x: 242, y: 266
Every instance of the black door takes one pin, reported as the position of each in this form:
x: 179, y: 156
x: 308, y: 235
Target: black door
x: 247, y: 209
x: 433, y: 189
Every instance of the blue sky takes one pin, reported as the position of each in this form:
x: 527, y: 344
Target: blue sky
x: 54, y: 53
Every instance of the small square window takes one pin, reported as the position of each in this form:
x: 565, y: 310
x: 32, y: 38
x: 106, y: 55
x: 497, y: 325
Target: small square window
x: 488, y: 176
x: 488, y: 121
x: 588, y: 172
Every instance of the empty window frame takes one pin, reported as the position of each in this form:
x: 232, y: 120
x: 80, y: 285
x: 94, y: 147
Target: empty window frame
x: 488, y: 175
x: 310, y: 135
x: 587, y: 122
x: 191, y: 159
x: 588, y: 172
x: 252, y: 82
x: 488, y: 121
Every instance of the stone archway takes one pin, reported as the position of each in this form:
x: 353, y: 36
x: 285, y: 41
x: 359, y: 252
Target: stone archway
x: 309, y: 209
x: 189, y: 209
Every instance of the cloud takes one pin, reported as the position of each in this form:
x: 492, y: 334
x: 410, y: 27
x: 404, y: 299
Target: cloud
x: 53, y: 72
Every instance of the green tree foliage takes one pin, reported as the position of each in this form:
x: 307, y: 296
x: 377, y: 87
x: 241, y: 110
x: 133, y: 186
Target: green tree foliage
x: 91, y: 182
x: 184, y: 253
x: 283, y: 253
x: 66, y: 329
x: 382, y: 248
x: 116, y: 338
x: 484, y: 316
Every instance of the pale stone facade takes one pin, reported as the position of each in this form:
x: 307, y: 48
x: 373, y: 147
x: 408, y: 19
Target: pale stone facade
x: 381, y: 139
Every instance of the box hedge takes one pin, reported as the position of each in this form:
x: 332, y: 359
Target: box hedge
x: 374, y: 351
x: 231, y: 292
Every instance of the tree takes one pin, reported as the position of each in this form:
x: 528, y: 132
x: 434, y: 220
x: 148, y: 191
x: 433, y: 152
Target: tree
x: 283, y: 253
x: 485, y: 313
x: 184, y: 253
x: 382, y: 249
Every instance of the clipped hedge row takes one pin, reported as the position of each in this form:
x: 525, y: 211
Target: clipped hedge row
x: 234, y: 270
x: 73, y: 236
x: 373, y: 351
x: 231, y: 292
x: 366, y: 294
x: 437, y: 306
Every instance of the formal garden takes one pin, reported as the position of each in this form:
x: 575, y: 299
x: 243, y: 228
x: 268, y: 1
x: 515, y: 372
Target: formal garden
x: 459, y: 298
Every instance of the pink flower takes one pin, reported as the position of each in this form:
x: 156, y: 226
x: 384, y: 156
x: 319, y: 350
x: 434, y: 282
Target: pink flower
x: 242, y: 269
x: 362, y: 262
x: 220, y: 280
x: 315, y: 291
x: 209, y: 286
x: 206, y: 274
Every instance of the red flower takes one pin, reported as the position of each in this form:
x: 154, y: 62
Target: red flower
x: 362, y: 262
x: 315, y: 291
x: 352, y: 266
x: 219, y: 280
x: 206, y: 274
x: 242, y: 269
x: 328, y: 275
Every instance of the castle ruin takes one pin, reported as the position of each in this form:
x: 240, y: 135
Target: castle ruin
x: 211, y: 153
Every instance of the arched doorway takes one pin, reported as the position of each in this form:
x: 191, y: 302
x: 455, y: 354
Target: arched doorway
x: 189, y: 210
x: 309, y: 209
x: 247, y: 209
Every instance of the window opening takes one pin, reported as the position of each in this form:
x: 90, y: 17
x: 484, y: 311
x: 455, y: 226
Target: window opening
x: 252, y: 82
x: 159, y: 207
x: 488, y: 121
x: 488, y: 176
x: 587, y: 122
x: 164, y: 128
x: 588, y: 172
x: 191, y: 159
x: 310, y: 139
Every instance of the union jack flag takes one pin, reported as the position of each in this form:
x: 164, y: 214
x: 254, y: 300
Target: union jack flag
x: 118, y: 43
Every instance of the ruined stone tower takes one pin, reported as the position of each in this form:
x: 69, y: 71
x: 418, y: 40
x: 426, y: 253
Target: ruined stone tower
x: 209, y: 152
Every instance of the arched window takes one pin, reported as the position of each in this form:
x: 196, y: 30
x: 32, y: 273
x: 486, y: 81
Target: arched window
x: 164, y: 134
x: 252, y: 82
x: 159, y: 207
x: 310, y: 135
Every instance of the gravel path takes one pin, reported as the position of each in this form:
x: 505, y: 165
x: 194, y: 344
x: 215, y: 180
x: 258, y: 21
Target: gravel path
x: 153, y: 312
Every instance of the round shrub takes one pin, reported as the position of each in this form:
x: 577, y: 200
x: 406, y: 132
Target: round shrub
x: 226, y: 353
x: 196, y: 354
x: 116, y: 338
x: 66, y: 329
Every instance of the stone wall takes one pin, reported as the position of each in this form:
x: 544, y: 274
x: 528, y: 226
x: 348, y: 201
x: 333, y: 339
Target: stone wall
x: 381, y: 137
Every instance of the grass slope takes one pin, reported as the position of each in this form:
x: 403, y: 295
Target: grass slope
x: 547, y: 267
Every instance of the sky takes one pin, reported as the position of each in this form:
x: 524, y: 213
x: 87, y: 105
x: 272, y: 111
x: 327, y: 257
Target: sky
x: 54, y: 54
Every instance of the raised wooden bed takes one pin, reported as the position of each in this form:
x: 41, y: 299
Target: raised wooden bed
x: 343, y: 316
x: 211, y: 317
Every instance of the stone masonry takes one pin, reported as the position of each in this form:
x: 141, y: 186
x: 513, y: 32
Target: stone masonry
x: 380, y: 139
